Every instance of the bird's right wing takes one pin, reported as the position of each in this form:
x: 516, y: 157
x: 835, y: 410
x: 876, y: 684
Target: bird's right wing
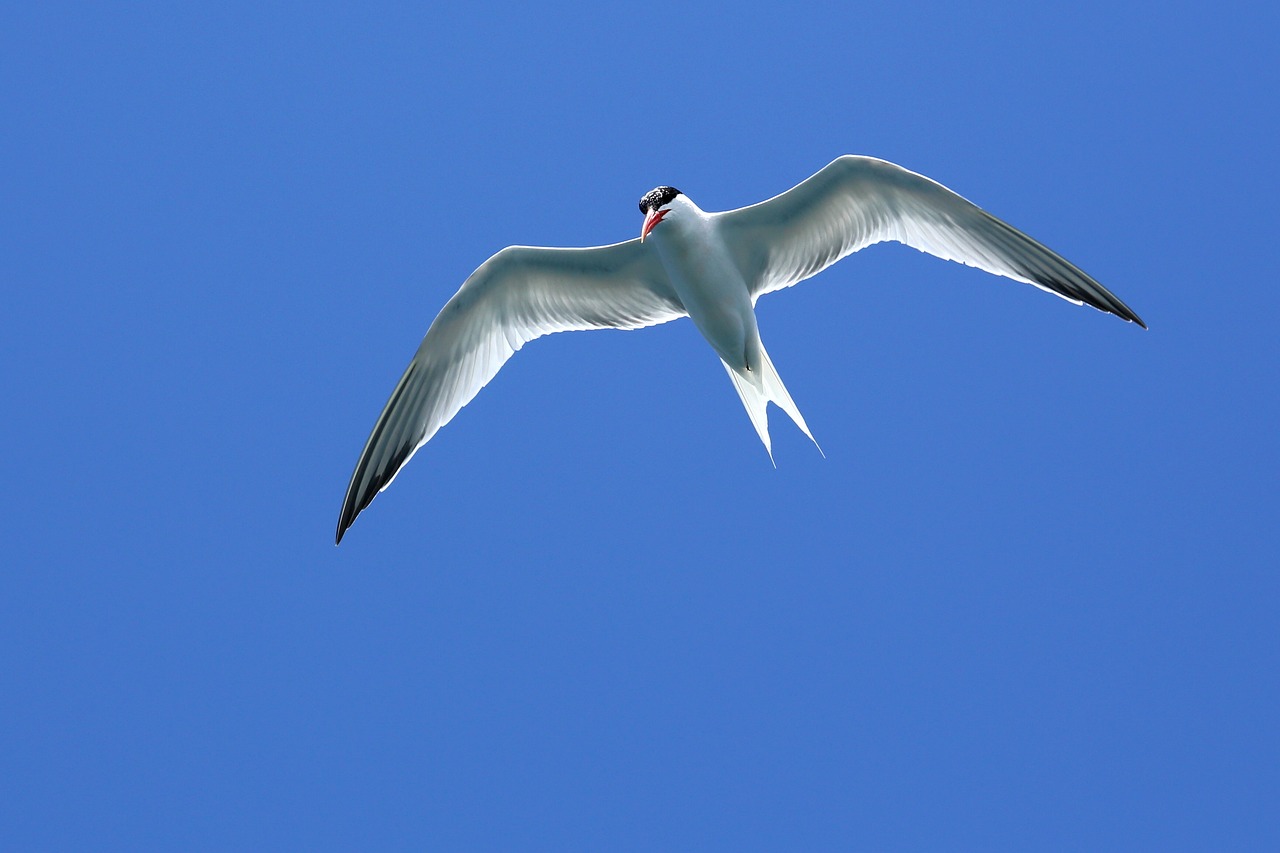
x: 519, y: 294
x: 857, y: 201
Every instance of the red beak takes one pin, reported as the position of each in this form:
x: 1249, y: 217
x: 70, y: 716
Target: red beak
x: 652, y: 218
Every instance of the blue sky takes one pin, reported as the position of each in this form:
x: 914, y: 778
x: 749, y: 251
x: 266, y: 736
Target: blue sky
x: 1028, y: 601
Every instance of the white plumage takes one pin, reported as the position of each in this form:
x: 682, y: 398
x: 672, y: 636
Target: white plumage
x: 711, y: 267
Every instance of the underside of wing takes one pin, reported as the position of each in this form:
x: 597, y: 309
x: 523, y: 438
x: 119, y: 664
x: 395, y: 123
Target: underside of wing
x: 519, y: 294
x: 857, y: 201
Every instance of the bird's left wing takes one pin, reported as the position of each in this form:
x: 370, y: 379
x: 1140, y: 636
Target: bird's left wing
x: 857, y: 201
x: 519, y: 294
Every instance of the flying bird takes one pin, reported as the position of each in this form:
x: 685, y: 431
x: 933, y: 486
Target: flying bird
x: 710, y: 267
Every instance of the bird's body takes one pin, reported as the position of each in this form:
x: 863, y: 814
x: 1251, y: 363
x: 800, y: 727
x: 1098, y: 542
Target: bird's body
x: 717, y: 297
x: 711, y: 288
x: 710, y: 267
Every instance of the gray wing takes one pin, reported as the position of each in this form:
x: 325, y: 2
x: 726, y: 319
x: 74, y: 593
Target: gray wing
x: 857, y: 201
x: 519, y: 294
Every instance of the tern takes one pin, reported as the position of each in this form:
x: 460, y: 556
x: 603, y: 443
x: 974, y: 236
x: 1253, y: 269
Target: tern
x: 710, y: 267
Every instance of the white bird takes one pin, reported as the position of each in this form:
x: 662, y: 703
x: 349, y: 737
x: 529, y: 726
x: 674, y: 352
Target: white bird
x: 710, y: 267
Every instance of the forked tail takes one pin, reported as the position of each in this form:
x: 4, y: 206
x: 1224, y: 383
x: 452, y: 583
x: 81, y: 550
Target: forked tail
x: 757, y: 388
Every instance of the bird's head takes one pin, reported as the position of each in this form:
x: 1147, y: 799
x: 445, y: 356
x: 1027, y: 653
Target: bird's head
x: 655, y: 205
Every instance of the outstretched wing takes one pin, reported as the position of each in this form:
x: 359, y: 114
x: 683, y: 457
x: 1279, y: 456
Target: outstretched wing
x: 857, y: 201
x: 519, y: 294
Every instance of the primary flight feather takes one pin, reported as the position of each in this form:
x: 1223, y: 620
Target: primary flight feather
x: 710, y: 267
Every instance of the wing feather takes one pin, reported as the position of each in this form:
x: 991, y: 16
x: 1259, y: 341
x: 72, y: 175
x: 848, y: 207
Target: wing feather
x: 857, y: 201
x: 519, y: 294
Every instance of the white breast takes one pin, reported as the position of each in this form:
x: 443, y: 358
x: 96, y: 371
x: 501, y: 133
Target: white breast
x: 703, y: 273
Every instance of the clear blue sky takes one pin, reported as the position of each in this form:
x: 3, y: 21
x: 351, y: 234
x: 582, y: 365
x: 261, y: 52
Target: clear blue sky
x: 1027, y: 602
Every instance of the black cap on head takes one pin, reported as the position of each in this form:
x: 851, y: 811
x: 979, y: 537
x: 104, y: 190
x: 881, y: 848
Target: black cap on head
x: 657, y: 197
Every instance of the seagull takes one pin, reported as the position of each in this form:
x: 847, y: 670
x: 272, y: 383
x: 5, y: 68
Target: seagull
x: 709, y: 267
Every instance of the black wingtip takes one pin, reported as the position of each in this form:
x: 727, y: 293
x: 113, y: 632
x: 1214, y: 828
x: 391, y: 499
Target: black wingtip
x: 1125, y: 313
x: 353, y: 506
x: 1112, y: 304
x: 345, y: 521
